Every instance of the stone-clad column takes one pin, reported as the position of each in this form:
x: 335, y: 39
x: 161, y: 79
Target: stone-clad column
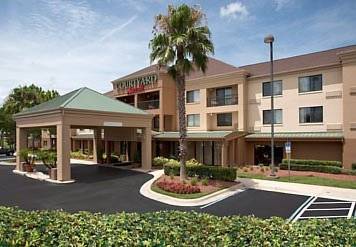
x: 21, y: 143
x: 63, y: 152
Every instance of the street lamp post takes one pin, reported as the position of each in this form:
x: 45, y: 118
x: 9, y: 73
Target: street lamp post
x: 269, y: 39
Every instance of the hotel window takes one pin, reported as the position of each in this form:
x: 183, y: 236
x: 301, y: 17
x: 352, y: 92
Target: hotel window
x: 278, y: 116
x: 224, y: 119
x: 155, y: 122
x: 311, y: 114
x: 277, y: 88
x: 310, y: 83
x: 193, y: 96
x: 193, y: 120
x: 223, y: 96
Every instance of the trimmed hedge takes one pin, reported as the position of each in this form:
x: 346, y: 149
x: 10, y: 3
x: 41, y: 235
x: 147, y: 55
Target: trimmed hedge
x: 173, y: 228
x: 203, y: 171
x: 313, y: 162
x: 313, y: 168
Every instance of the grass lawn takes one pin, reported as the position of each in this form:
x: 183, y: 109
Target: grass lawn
x: 304, y: 180
x: 180, y: 196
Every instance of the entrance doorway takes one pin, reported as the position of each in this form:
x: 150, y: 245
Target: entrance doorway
x: 263, y: 154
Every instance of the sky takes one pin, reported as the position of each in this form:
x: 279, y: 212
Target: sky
x: 67, y: 44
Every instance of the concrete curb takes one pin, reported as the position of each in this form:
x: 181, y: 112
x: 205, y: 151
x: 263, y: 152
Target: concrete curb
x: 216, y: 196
x: 301, y: 189
x: 41, y: 177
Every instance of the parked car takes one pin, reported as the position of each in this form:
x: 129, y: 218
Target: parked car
x: 7, y: 151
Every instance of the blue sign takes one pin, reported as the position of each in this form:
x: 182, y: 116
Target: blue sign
x: 288, y: 147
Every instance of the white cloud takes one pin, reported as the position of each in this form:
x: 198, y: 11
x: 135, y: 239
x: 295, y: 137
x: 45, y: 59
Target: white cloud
x: 65, y: 45
x: 234, y: 10
x: 280, y: 4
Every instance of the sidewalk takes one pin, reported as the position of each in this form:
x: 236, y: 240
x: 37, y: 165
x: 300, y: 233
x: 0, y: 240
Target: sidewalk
x: 300, y: 189
x: 219, y: 195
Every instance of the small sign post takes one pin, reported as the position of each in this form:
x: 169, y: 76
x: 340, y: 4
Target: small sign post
x: 288, y: 148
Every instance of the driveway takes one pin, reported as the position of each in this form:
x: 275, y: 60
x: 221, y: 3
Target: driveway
x: 109, y: 190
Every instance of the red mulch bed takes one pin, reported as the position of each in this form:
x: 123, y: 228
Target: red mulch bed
x: 213, y: 185
x: 284, y: 173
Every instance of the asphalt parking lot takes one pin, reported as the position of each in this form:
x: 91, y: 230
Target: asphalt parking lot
x: 109, y: 190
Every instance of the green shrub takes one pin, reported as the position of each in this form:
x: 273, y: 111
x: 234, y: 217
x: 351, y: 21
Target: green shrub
x: 205, y: 181
x: 201, y: 171
x: 193, y: 162
x: 159, y: 161
x: 172, y: 162
x: 194, y: 181
x: 313, y: 168
x: 166, y: 228
x: 349, y: 172
x: 78, y: 155
x: 313, y: 162
x: 48, y: 158
x: 28, y: 156
x: 353, y: 166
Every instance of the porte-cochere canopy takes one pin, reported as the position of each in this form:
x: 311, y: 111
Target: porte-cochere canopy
x: 84, y: 108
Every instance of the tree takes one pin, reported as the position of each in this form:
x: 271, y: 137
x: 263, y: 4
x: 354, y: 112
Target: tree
x: 19, y: 99
x: 5, y: 129
x: 181, y: 42
x: 24, y: 97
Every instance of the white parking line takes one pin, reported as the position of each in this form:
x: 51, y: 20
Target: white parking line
x: 312, y: 201
x: 300, y: 208
x: 351, y: 210
x: 303, y: 209
x: 325, y: 209
x: 322, y: 217
x: 331, y: 202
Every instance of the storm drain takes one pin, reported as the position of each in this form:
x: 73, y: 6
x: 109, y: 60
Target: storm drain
x: 323, y: 208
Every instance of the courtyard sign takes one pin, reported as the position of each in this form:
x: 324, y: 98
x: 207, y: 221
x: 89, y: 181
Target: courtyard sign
x: 137, y: 84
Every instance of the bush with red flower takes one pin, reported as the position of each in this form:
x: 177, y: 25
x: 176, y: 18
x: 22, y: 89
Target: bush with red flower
x: 178, y: 188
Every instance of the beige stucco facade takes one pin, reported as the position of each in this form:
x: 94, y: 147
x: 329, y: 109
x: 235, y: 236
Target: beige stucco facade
x: 244, y: 104
x: 330, y: 97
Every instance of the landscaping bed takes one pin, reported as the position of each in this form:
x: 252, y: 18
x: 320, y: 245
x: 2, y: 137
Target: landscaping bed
x: 195, y: 188
x: 201, y: 179
x: 166, y: 228
x: 307, y: 177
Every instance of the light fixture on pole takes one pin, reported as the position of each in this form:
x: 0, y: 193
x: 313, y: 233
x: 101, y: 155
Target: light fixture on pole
x: 269, y: 39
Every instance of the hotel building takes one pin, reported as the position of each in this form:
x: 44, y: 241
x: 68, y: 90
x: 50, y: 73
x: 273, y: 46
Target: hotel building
x: 229, y: 116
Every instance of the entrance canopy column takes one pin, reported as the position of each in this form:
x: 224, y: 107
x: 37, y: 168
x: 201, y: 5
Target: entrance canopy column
x: 146, y: 149
x: 97, y: 146
x: 63, y: 152
x: 21, y: 143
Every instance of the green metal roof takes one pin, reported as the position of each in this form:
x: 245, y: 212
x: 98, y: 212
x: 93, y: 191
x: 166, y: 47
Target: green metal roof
x: 83, y: 99
x: 305, y: 135
x: 194, y: 135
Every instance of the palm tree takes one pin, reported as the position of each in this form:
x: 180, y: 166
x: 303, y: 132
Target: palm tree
x: 182, y: 43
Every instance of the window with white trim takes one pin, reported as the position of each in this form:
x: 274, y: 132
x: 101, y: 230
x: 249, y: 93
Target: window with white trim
x: 193, y: 120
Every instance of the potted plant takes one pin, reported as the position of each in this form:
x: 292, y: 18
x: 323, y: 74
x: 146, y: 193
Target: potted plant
x: 49, y: 159
x: 29, y: 160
